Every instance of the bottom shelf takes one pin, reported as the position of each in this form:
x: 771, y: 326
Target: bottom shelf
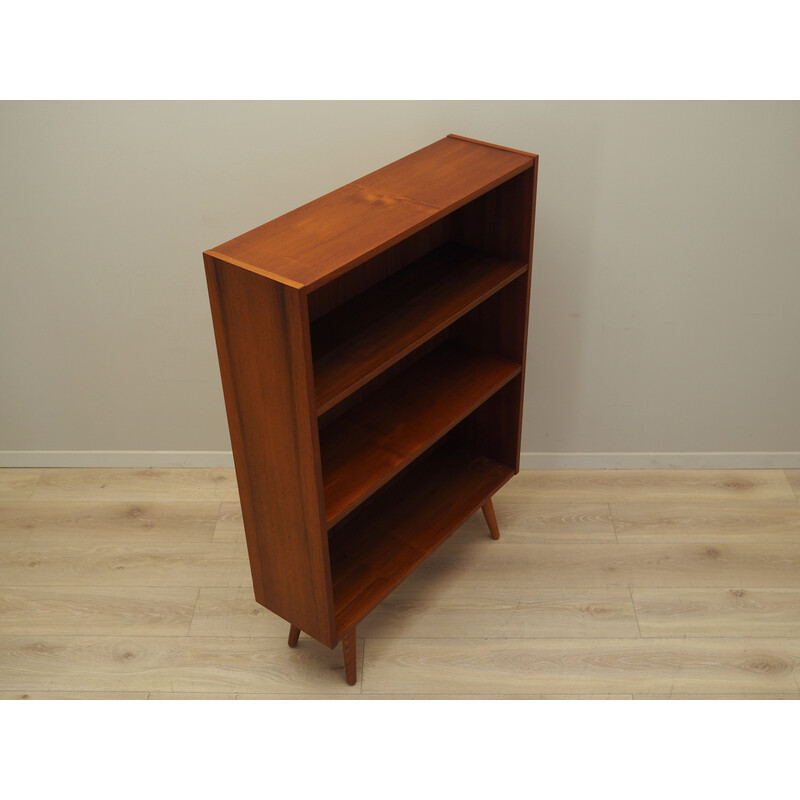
x: 391, y: 535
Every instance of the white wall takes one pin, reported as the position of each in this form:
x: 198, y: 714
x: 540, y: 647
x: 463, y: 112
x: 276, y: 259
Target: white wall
x: 664, y: 320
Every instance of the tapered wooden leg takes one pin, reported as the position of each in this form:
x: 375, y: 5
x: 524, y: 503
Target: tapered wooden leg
x: 294, y: 635
x: 349, y: 649
x: 491, y: 519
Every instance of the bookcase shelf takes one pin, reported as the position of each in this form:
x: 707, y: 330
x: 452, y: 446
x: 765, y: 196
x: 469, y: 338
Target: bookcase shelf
x: 371, y: 442
x: 372, y: 352
x: 358, y: 340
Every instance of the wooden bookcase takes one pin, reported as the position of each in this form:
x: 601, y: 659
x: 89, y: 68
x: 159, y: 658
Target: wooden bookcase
x: 372, y: 351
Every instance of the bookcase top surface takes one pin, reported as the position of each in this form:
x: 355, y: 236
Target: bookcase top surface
x: 313, y: 244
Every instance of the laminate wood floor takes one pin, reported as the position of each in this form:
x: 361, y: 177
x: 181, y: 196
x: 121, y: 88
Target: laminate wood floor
x: 605, y: 584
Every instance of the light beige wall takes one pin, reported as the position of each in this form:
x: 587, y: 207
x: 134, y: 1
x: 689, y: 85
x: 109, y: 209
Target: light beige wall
x: 666, y: 300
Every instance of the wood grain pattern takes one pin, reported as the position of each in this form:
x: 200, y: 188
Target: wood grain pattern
x: 140, y: 611
x: 311, y: 245
x: 680, y: 485
x: 233, y: 611
x: 763, y: 521
x: 74, y: 695
x: 373, y: 441
x: 191, y: 564
x: 684, y: 565
x: 264, y: 350
x: 716, y: 602
x: 136, y: 484
x: 104, y: 521
x: 718, y: 612
x: 447, y: 606
x: 522, y: 520
x: 415, y: 515
x: 457, y: 607
x: 18, y: 484
x: 793, y: 477
x: 526, y: 522
x: 230, y: 526
x: 711, y: 696
x: 644, y: 666
x: 160, y: 664
x: 362, y: 338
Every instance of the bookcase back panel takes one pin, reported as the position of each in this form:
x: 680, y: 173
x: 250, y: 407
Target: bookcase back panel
x: 379, y: 267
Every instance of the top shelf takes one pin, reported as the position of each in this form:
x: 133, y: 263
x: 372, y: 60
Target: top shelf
x: 313, y: 244
x: 363, y: 337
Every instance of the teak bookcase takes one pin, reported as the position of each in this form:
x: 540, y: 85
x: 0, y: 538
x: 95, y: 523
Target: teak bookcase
x: 372, y: 351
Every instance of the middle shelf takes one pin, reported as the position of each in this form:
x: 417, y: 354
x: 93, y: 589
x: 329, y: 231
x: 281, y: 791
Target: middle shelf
x: 372, y: 441
x: 364, y: 336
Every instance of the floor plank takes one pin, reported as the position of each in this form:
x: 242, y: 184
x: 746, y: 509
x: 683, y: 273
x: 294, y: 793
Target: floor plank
x: 519, y: 520
x: 625, y: 485
x: 461, y: 608
x: 136, y: 484
x: 793, y: 476
x: 18, y: 484
x: 549, y: 666
x: 706, y: 696
x: 439, y: 697
x: 178, y: 664
x: 73, y: 695
x: 756, y: 521
x: 94, y: 611
x: 230, y: 527
x: 47, y: 565
x: 718, y: 612
x: 81, y: 522
x: 678, y: 564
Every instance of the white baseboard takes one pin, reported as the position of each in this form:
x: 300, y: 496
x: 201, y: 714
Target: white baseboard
x: 223, y: 459
x: 732, y: 460
x: 208, y: 459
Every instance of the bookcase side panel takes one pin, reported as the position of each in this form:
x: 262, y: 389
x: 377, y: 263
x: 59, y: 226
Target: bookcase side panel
x: 261, y: 329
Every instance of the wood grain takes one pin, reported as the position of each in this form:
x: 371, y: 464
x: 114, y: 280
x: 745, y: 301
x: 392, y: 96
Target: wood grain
x: 526, y: 522
x: 311, y: 245
x: 432, y: 608
x: 467, y: 608
x: 74, y: 695
x: 643, y: 666
x: 233, y: 611
x: 136, y: 484
x: 763, y: 521
x: 680, y: 485
x: 521, y: 520
x: 230, y: 526
x: 141, y: 611
x: 161, y: 664
x: 369, y: 444
x: 626, y: 564
x: 359, y: 340
x: 711, y: 696
x: 264, y: 349
x: 793, y: 476
x: 88, y: 522
x: 193, y: 564
x: 18, y: 484
x: 720, y: 612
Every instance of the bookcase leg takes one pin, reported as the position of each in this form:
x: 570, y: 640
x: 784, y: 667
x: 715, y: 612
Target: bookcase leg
x: 294, y: 635
x: 491, y: 519
x: 349, y: 649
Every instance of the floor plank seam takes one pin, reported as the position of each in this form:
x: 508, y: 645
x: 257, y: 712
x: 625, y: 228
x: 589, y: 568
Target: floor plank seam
x: 795, y: 492
x: 194, y: 611
x: 613, y: 524
x: 635, y: 612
